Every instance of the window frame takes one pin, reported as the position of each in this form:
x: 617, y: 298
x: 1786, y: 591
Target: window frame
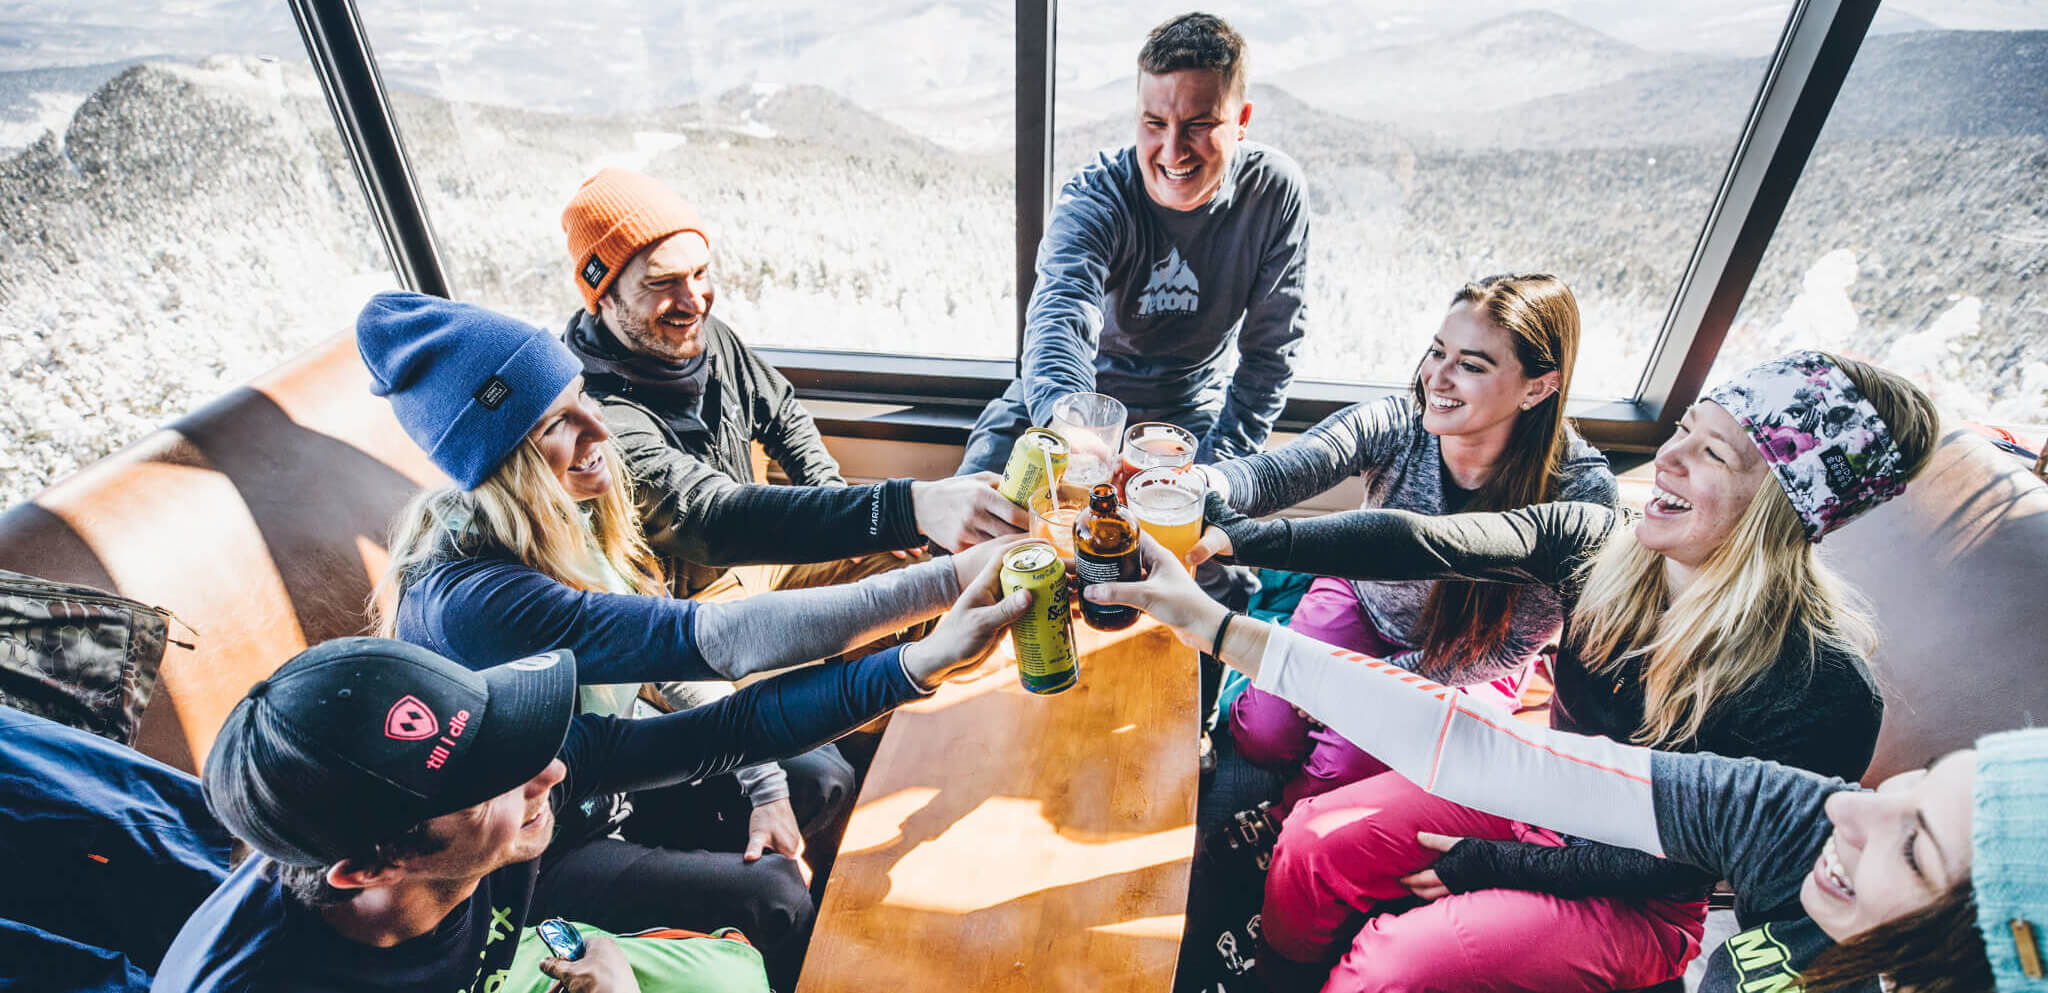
x: 936, y: 399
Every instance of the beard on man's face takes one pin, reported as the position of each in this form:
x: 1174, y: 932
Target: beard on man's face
x: 653, y: 339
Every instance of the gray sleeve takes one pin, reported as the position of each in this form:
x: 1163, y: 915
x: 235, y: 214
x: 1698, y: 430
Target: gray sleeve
x: 1586, y: 477
x: 789, y: 627
x: 1342, y: 445
x: 761, y: 783
x: 1757, y: 824
x: 1275, y: 322
x: 1063, y: 325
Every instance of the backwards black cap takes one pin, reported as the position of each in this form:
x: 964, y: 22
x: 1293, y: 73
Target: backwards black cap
x: 355, y: 740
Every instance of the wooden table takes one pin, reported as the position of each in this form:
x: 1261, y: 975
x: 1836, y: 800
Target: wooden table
x: 1005, y: 841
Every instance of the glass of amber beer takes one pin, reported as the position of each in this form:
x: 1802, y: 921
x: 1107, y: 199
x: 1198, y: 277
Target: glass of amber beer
x: 1056, y: 525
x: 1150, y: 444
x: 1167, y: 500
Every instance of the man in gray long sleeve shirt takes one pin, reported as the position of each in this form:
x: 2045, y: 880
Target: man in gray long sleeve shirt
x: 1158, y: 258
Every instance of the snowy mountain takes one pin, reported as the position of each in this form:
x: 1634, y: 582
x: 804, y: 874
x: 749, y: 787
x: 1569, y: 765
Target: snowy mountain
x: 172, y: 227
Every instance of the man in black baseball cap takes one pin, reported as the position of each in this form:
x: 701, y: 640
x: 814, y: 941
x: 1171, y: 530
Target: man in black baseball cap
x: 400, y: 802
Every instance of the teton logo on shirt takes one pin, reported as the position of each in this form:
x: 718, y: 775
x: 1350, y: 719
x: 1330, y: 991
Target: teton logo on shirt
x: 410, y: 720
x: 493, y: 392
x: 595, y: 270
x: 1172, y: 288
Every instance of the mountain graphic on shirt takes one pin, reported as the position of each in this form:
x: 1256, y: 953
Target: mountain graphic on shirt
x: 1172, y: 288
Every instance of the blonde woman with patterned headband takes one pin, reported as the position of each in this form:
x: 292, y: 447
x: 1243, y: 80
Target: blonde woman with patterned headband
x: 1710, y: 625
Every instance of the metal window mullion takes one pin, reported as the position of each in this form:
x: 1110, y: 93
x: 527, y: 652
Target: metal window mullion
x: 341, y: 57
x: 1035, y: 43
x: 1814, y: 55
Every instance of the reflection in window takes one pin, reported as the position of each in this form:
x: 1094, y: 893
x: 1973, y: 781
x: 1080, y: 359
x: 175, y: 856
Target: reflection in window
x: 179, y: 216
x: 1444, y: 142
x: 853, y: 163
x: 1917, y: 237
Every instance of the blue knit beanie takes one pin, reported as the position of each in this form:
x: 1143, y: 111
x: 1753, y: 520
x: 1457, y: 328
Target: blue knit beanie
x: 2009, y: 867
x: 467, y: 384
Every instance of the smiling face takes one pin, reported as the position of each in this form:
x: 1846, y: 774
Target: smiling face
x: 658, y: 304
x: 569, y: 438
x: 513, y: 827
x: 1894, y: 850
x: 1472, y: 383
x: 1707, y: 476
x: 1189, y: 124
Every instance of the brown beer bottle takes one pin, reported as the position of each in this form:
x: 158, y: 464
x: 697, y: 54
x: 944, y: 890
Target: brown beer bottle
x: 1106, y: 551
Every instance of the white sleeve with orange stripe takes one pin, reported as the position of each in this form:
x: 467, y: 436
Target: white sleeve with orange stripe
x: 1589, y: 787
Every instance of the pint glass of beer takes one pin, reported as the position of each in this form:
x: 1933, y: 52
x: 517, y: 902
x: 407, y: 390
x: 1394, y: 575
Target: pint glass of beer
x: 1093, y: 425
x: 1167, y: 501
x: 1150, y: 444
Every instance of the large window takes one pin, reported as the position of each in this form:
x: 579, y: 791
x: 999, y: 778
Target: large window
x: 179, y: 216
x: 852, y: 161
x: 1918, y: 235
x: 1445, y: 142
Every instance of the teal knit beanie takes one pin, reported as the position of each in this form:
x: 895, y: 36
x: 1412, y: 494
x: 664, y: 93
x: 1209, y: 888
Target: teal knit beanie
x: 2009, y: 868
x: 466, y: 383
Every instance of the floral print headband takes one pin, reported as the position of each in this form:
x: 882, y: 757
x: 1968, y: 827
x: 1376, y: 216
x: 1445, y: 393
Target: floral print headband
x: 1826, y: 445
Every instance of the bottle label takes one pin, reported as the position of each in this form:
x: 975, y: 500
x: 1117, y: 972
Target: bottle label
x: 1110, y: 570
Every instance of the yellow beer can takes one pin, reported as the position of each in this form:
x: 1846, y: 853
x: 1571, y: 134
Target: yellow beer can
x: 1025, y: 473
x: 1044, y: 637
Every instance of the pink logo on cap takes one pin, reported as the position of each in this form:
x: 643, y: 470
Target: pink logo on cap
x: 410, y: 720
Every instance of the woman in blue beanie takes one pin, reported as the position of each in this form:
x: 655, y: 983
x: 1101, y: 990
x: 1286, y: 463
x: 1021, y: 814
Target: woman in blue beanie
x: 538, y: 547
x: 1935, y: 882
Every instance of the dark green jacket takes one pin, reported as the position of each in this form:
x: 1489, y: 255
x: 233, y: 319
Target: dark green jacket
x: 693, y: 483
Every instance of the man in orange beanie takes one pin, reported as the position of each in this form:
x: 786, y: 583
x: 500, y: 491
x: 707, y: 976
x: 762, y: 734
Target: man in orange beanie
x: 685, y: 399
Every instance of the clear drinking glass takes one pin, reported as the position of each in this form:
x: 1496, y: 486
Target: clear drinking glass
x: 1093, y: 425
x: 1167, y: 501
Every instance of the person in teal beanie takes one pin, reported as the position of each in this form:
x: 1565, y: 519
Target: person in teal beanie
x: 1935, y: 882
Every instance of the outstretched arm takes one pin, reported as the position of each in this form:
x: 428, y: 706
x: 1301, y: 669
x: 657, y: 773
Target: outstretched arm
x: 1744, y: 820
x: 1340, y: 446
x: 1593, y: 788
x: 1063, y: 324
x: 692, y: 512
x: 790, y: 627
x: 1544, y: 543
x: 791, y: 713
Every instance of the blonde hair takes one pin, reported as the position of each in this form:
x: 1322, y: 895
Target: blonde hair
x: 1730, y: 624
x: 1726, y: 629
x: 522, y: 510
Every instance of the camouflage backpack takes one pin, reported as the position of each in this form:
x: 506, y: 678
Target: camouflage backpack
x: 78, y: 656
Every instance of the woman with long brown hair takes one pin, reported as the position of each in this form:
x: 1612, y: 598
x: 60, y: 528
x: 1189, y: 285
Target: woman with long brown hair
x: 1482, y: 428
x: 1712, y: 625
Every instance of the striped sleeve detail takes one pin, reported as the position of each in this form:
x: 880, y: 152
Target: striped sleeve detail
x: 1590, y: 787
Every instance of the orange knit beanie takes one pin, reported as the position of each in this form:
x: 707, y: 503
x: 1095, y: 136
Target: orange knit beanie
x: 615, y: 215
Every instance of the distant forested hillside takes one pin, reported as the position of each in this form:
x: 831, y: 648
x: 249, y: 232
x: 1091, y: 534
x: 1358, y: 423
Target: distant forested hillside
x: 189, y: 225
